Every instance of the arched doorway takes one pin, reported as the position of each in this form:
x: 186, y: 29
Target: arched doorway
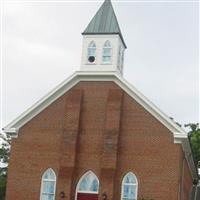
x: 88, y: 187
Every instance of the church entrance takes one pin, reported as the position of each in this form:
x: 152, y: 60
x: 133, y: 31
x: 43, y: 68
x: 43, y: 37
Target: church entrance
x: 88, y: 187
x: 85, y: 196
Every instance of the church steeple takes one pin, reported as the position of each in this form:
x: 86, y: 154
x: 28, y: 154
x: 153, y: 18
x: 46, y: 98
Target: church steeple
x: 103, y: 43
x: 104, y: 22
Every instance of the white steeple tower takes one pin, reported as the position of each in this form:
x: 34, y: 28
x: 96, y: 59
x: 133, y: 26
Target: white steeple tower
x: 103, y: 44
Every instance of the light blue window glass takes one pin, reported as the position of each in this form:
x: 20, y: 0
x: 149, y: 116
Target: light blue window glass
x: 89, y: 183
x: 48, y: 185
x: 94, y: 185
x: 83, y: 185
x: 49, y: 174
x: 107, y: 51
x: 130, y: 179
x: 47, y: 197
x: 129, y: 187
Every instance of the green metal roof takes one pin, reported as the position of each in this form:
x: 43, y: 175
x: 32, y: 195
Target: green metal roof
x: 104, y: 22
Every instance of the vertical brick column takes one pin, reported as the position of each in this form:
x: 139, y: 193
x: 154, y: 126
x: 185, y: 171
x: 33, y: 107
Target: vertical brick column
x: 71, y: 121
x: 110, y: 142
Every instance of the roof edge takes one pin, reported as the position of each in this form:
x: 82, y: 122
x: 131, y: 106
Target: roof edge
x: 98, y: 76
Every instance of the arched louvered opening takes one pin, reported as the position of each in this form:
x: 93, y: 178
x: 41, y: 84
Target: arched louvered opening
x: 107, y: 51
x: 91, y: 55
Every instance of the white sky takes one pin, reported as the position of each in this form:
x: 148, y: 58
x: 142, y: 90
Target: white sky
x: 42, y: 46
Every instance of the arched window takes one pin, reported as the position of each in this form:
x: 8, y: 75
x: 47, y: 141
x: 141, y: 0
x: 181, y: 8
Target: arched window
x: 48, y: 185
x: 106, y: 56
x: 91, y: 52
x: 88, y: 186
x: 129, y: 187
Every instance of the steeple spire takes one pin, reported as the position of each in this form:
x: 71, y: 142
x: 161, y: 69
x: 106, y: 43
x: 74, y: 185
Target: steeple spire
x: 104, y: 22
x: 103, y: 44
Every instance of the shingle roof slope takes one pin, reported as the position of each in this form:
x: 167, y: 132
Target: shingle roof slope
x: 104, y: 22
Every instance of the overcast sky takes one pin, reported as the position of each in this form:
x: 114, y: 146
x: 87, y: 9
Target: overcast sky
x: 42, y: 46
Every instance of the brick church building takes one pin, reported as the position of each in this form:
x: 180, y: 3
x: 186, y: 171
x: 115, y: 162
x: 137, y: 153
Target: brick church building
x: 96, y: 137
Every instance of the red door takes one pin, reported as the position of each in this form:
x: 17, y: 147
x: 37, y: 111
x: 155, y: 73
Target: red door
x: 87, y: 196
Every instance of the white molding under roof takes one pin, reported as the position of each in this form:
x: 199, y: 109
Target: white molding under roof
x: 180, y: 136
x: 94, y: 76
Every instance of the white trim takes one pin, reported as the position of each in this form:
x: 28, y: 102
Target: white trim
x: 13, y: 132
x: 79, y: 182
x: 49, y: 180
x: 133, y: 184
x: 93, y: 76
x: 122, y: 60
x: 188, y: 155
x: 179, y: 137
x: 113, y: 76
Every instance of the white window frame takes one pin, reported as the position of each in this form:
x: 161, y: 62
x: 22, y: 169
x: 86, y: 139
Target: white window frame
x: 133, y: 184
x: 107, y: 47
x: 95, y: 50
x: 48, y: 180
x: 79, y: 182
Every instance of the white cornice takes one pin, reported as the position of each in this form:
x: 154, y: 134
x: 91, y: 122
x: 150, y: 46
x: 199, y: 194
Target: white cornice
x: 95, y: 76
x: 180, y: 136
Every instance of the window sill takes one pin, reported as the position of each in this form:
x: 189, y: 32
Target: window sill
x: 87, y: 63
x: 106, y: 63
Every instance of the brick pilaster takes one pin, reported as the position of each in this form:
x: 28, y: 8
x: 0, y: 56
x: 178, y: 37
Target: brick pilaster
x: 71, y: 121
x: 110, y: 141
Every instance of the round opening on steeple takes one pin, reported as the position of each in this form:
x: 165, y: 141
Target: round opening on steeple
x: 91, y: 59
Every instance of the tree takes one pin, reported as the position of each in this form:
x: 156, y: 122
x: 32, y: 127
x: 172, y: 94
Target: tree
x: 4, y: 158
x: 194, y: 136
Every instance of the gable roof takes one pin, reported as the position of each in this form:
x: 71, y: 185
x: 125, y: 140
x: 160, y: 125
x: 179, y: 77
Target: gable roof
x: 104, y: 22
x: 180, y: 136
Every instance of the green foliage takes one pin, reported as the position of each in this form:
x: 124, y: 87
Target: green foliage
x: 4, y: 158
x: 2, y: 187
x: 194, y: 136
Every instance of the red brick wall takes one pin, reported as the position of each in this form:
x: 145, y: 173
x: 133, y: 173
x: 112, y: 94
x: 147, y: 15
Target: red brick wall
x: 187, y: 181
x: 96, y: 126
